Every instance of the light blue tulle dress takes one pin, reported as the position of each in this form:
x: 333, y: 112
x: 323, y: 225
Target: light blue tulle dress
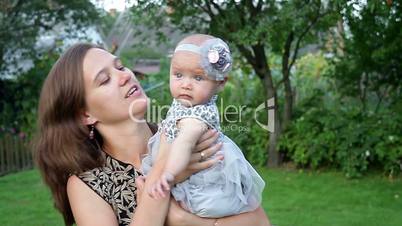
x: 230, y: 187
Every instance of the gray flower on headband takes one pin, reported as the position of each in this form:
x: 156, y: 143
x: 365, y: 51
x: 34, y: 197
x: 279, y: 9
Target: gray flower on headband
x: 216, y: 59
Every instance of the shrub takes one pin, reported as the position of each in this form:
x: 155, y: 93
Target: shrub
x: 342, y: 136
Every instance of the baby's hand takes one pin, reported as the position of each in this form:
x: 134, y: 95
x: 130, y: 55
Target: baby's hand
x: 161, y: 187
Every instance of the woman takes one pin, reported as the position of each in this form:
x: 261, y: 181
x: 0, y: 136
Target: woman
x: 91, y: 139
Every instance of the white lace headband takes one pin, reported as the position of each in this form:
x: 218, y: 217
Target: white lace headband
x: 216, y: 59
x: 188, y: 47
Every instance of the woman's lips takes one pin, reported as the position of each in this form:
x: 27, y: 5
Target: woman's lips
x: 133, y: 91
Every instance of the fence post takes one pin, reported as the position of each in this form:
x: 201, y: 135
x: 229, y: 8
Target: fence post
x: 28, y: 154
x: 20, y: 154
x: 2, y: 157
x: 23, y: 156
x: 8, y: 156
x: 15, y: 154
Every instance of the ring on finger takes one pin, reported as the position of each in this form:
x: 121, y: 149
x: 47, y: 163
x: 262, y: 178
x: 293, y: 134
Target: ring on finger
x: 202, y: 154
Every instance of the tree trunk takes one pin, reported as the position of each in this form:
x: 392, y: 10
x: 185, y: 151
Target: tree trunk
x: 288, y: 106
x: 257, y: 58
x: 273, y: 155
x: 287, y: 113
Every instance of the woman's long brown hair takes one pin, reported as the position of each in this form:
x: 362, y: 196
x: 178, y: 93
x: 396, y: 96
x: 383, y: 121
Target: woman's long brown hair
x: 63, y: 147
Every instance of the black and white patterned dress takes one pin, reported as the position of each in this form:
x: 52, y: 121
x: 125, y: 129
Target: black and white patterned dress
x: 229, y: 187
x: 115, y: 183
x: 208, y: 113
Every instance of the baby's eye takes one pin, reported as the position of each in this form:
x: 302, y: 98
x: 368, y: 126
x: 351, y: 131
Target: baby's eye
x: 178, y: 75
x: 199, y: 78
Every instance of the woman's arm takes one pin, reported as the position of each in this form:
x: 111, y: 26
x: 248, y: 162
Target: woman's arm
x: 255, y: 218
x: 150, y: 211
x: 179, y: 217
x: 89, y: 209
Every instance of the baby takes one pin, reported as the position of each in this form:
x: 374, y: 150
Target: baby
x: 199, y: 70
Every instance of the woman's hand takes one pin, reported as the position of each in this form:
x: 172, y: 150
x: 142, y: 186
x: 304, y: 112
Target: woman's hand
x: 139, y: 183
x: 177, y: 216
x: 200, y: 157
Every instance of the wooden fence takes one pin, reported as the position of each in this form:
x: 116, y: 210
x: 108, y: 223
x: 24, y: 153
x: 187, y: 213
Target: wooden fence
x: 15, y: 154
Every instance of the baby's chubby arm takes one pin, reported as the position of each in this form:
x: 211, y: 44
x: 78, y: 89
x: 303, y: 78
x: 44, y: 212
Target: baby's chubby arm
x: 191, y: 129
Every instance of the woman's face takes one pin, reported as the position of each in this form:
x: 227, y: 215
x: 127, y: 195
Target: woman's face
x: 112, y: 92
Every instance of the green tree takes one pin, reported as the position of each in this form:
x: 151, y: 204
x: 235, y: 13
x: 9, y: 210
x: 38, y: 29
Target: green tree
x: 258, y: 30
x: 22, y: 21
x: 20, y: 96
x: 350, y: 119
x: 21, y: 24
x: 371, y: 56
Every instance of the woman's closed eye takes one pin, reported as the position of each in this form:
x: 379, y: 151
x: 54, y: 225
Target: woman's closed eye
x: 105, y: 80
x: 118, y: 64
x: 120, y: 67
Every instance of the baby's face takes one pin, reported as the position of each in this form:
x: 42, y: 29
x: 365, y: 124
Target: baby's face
x: 188, y: 82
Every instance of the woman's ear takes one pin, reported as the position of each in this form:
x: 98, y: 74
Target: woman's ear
x: 221, y: 84
x: 88, y: 119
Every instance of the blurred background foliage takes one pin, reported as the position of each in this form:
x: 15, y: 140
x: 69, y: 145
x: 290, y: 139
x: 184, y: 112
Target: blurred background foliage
x: 345, y: 80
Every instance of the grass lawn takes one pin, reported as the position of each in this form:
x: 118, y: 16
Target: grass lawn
x: 291, y: 198
x: 295, y: 198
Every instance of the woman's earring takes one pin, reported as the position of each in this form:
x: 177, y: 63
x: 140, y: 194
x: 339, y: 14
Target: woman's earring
x: 92, y: 133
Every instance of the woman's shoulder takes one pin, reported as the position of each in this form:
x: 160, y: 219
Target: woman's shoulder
x: 78, y: 190
x: 114, y: 182
x: 73, y: 182
x: 112, y: 172
x: 97, y: 180
x: 106, y: 179
x: 86, y: 205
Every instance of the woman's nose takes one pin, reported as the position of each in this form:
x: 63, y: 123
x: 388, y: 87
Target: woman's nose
x: 124, y: 77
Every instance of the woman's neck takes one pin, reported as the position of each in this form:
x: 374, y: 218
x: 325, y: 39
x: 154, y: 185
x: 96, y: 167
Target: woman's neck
x: 126, y: 141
